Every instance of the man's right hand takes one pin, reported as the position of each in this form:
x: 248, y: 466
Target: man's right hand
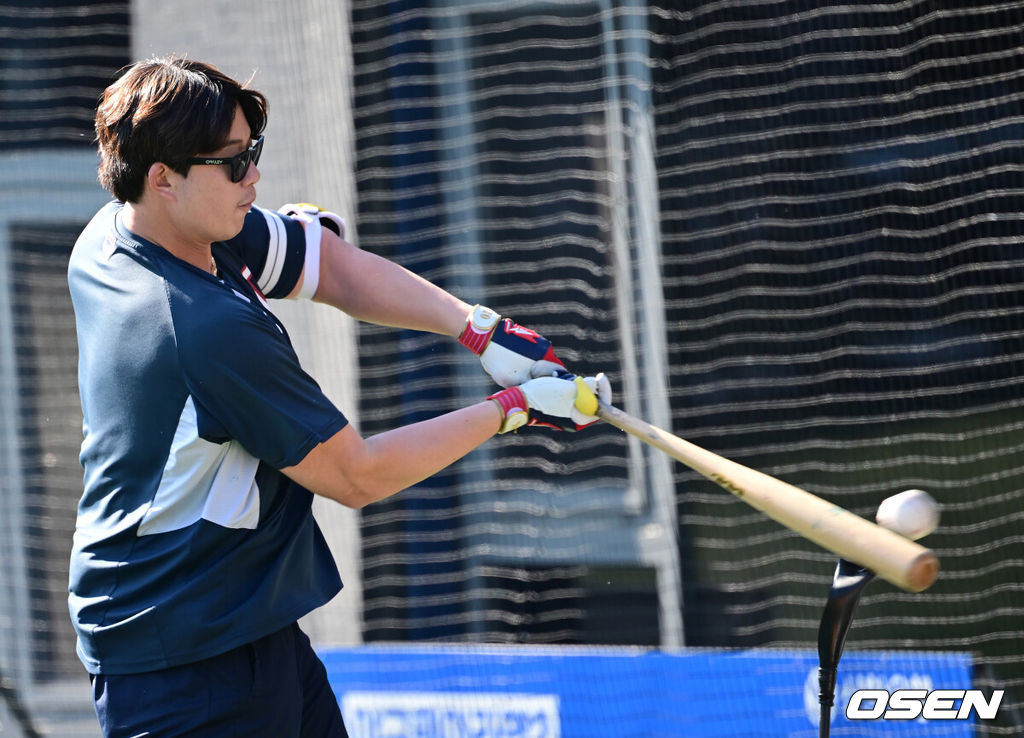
x: 562, y: 402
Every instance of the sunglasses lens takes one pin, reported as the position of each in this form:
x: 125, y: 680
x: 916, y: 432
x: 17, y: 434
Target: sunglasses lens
x: 239, y: 166
x: 240, y: 163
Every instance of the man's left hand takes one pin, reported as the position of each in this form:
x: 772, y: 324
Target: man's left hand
x: 512, y: 354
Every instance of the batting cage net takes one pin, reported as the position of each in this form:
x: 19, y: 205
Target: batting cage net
x: 788, y: 232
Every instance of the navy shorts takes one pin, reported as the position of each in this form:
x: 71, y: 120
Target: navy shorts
x: 275, y: 686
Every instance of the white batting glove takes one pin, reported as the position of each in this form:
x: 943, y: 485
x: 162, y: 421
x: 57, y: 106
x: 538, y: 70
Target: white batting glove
x: 562, y: 402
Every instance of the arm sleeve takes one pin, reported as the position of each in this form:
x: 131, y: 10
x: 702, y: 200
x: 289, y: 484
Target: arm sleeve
x: 274, y: 247
x: 247, y: 384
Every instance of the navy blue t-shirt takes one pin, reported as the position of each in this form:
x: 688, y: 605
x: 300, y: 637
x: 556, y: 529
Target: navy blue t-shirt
x: 189, y: 541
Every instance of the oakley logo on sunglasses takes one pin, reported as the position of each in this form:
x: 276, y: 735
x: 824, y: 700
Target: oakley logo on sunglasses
x: 238, y: 164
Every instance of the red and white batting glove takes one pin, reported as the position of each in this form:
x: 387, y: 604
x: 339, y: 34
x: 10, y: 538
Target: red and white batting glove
x: 510, y: 353
x: 563, y: 402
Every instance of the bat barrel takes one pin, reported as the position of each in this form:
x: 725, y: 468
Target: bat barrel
x: 923, y: 571
x: 892, y: 557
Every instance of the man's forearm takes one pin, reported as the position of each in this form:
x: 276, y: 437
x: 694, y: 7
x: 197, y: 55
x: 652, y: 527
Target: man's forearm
x: 376, y: 290
x: 356, y: 472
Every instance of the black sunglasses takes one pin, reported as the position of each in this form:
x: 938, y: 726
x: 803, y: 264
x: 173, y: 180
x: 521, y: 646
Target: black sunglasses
x: 239, y: 163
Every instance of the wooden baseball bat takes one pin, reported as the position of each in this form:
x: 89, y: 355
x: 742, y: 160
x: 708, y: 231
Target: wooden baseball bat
x: 898, y: 560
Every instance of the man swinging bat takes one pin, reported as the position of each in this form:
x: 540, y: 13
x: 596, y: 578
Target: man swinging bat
x: 195, y: 551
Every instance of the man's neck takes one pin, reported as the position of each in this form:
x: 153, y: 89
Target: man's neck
x: 155, y: 227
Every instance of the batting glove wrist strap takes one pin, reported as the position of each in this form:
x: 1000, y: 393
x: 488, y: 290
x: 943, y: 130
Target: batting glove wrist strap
x: 480, y: 325
x: 514, y: 407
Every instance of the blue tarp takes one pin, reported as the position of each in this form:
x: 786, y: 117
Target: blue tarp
x: 583, y: 692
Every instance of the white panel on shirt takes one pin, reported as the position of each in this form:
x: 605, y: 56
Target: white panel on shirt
x: 203, y: 481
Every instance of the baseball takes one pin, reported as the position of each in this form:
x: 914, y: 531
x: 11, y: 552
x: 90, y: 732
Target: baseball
x: 913, y: 514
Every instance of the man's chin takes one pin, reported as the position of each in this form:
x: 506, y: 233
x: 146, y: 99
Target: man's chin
x: 237, y: 230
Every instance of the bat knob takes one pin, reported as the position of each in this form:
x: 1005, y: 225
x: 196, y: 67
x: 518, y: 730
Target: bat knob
x: 586, y: 400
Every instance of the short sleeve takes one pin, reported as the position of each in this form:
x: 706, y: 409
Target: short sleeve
x: 273, y: 246
x: 247, y: 384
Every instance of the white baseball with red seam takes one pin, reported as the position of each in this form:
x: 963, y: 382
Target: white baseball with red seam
x: 913, y: 514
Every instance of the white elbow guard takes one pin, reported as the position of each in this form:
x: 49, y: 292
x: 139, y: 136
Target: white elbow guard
x: 314, y: 220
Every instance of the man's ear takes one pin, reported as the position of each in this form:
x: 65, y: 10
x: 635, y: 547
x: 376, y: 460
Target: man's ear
x: 162, y: 180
